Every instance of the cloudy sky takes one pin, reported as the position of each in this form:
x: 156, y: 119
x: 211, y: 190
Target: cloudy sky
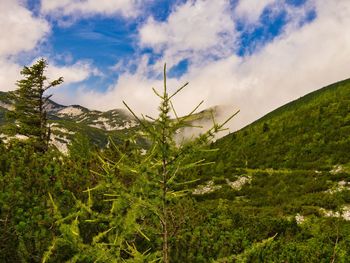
x: 252, y: 55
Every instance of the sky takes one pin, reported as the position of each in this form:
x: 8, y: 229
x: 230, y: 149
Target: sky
x: 251, y: 55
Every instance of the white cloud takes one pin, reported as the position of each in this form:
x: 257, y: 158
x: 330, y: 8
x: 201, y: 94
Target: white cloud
x: 24, y: 32
x: 134, y: 89
x: 21, y: 32
x: 297, y: 62
x: 195, y: 28
x: 9, y: 74
x: 250, y: 10
x: 74, y: 73
x: 127, y: 8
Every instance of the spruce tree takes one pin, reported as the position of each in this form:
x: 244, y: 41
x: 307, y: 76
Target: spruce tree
x: 141, y: 188
x: 167, y: 158
x: 30, y: 105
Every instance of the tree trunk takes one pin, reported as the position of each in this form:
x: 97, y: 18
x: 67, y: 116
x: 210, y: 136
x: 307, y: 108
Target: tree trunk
x: 165, y: 214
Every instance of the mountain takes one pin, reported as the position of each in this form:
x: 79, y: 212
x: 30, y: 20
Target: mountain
x: 277, y: 191
x: 312, y: 132
x: 285, y: 177
x: 66, y: 121
x: 317, y: 128
x: 98, y: 126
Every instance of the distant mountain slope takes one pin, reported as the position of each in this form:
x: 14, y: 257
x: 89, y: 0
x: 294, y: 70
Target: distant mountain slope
x: 312, y: 132
x: 119, y: 124
x: 67, y: 121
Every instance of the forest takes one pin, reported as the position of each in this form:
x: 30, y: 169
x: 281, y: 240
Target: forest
x: 277, y: 190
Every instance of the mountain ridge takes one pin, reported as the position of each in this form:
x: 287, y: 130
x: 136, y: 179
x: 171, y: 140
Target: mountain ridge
x: 66, y: 121
x: 298, y: 116
x: 312, y: 131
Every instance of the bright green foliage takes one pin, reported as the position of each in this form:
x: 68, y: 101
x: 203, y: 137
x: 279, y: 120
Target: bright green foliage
x: 114, y: 205
x: 25, y: 219
x: 309, y: 133
x: 26, y: 176
x: 228, y: 222
x: 139, y: 190
x: 29, y: 113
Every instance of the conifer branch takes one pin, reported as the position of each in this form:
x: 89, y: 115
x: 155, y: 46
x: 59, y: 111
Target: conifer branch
x: 178, y: 90
x: 191, y: 113
x: 151, y: 118
x: 156, y: 92
x: 173, y: 109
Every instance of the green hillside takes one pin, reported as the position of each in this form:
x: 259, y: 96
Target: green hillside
x: 287, y: 174
x: 277, y: 191
x: 312, y: 132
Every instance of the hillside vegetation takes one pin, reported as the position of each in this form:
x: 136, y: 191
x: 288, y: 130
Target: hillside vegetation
x: 309, y: 133
x: 276, y: 191
x: 287, y: 174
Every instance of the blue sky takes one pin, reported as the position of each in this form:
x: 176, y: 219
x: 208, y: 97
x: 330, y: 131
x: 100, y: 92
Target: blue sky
x: 234, y: 52
x: 107, y: 40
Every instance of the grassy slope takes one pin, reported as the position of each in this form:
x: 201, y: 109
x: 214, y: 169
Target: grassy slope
x: 309, y: 133
x: 298, y: 140
x: 306, y: 134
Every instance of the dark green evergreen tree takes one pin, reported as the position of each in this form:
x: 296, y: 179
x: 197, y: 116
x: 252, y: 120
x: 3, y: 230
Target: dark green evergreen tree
x: 30, y: 105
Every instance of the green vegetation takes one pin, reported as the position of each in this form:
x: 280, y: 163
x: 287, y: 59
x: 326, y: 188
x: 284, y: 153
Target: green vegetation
x: 143, y: 187
x: 276, y: 191
x: 29, y: 105
x: 309, y: 133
